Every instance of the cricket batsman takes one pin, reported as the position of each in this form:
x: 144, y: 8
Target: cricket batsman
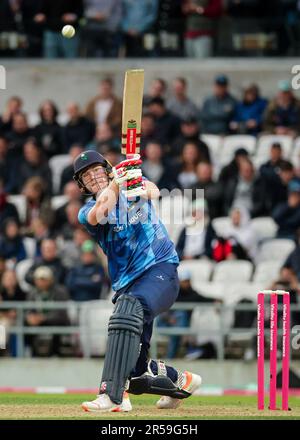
x: 142, y: 265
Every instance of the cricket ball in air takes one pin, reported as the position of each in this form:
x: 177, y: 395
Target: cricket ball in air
x: 68, y: 31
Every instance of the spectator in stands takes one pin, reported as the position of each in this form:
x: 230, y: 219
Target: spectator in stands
x: 158, y: 89
x: 287, y: 214
x: 67, y: 173
x: 190, y: 132
x: 241, y: 230
x: 104, y: 138
x: 13, y: 107
x: 139, y: 17
x: 18, y: 135
x: 71, y: 249
x: 54, y: 16
x: 157, y: 168
x: 86, y: 281
x: 37, y: 204
x: 231, y: 170
x: 182, y: 318
x: 7, y: 210
x: 112, y: 154
x: 288, y: 281
x: 190, y: 158
x: 213, y: 191
x: 11, y: 242
x: 282, y: 115
x: 66, y: 229
x: 218, y: 109
x: 46, y: 289
x: 78, y: 130
x: 277, y: 183
x: 7, y: 165
x: 248, y: 115
x: 10, y: 291
x: 34, y: 164
x: 101, y: 31
x: 195, y: 240
x: 48, y: 131
x: 167, y: 125
x: 148, y: 130
x: 169, y: 28
x: 73, y: 194
x: 272, y: 166
x: 293, y: 260
x: 179, y: 103
x: 105, y: 107
x: 247, y: 190
x: 49, y: 257
x: 201, y: 26
x: 40, y: 231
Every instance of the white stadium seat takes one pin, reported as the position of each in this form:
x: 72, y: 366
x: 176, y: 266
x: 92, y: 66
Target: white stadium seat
x: 264, y: 227
x: 232, y: 143
x: 233, y: 271
x: 20, y: 203
x: 57, y: 164
x: 277, y: 249
x: 21, y: 270
x: 201, y: 270
x: 30, y: 246
x: 221, y: 224
x: 267, y: 271
x: 58, y: 201
x: 93, y: 322
x: 214, y: 143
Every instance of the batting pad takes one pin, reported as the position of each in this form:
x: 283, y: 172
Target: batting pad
x: 125, y: 328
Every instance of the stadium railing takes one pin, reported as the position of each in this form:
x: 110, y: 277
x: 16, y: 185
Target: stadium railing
x: 220, y: 333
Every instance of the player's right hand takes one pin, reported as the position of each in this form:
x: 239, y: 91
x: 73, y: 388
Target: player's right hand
x: 128, y: 169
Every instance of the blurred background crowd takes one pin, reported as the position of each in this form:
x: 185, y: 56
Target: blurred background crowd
x: 149, y: 28
x: 244, y: 151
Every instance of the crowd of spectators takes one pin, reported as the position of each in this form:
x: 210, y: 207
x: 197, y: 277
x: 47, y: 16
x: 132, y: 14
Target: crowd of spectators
x: 141, y: 28
x: 65, y: 264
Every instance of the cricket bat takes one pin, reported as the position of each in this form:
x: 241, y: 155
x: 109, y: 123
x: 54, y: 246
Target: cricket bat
x: 132, y: 111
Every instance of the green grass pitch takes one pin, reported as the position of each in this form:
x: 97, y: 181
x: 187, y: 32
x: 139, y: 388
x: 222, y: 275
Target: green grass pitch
x: 67, y: 407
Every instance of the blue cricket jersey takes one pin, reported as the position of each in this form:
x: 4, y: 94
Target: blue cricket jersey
x: 132, y: 237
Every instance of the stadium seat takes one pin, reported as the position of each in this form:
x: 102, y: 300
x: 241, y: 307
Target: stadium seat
x: 57, y: 164
x: 277, y: 249
x: 233, y: 271
x: 30, y: 246
x: 264, y: 227
x: 264, y: 143
x: 209, y: 289
x: 295, y: 157
x: 93, y: 323
x: 20, y: 203
x: 21, y: 270
x: 267, y: 271
x: 33, y: 119
x: 205, y: 323
x: 63, y: 118
x: 58, y: 201
x: 214, y: 143
x: 221, y: 224
x: 232, y: 143
x: 201, y: 270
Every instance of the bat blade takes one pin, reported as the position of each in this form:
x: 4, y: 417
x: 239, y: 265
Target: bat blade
x: 132, y: 111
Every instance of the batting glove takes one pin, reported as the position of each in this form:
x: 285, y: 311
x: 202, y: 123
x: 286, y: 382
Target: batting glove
x: 129, y: 169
